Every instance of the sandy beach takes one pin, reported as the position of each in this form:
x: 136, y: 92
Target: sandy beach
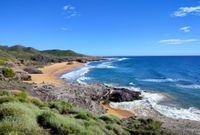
x: 117, y: 112
x: 51, y: 72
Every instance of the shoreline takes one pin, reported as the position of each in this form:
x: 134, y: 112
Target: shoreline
x: 52, y: 72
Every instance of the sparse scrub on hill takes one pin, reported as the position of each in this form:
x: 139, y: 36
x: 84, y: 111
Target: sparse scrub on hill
x: 8, y: 72
x: 2, y: 62
x: 37, y: 57
x: 22, y: 115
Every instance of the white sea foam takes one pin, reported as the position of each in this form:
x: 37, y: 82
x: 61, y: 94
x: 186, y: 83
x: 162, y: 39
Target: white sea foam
x: 76, y: 73
x: 122, y: 59
x: 190, y: 86
x: 160, y: 80
x: 151, y: 101
x: 131, y: 83
x: 105, y: 65
x: 82, y: 80
x: 79, y: 74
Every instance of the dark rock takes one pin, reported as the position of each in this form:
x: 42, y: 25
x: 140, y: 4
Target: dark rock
x: 122, y: 95
x: 82, y: 60
x: 33, y: 71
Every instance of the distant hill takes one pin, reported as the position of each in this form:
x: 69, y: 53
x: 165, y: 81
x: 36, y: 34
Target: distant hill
x: 29, y: 53
x: 62, y: 53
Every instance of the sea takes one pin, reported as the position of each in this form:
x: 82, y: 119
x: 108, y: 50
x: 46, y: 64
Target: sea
x: 169, y: 84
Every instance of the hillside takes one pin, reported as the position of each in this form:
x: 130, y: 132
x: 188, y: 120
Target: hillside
x: 19, y: 52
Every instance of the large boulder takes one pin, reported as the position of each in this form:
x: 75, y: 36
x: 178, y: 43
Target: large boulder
x: 33, y: 70
x: 20, y: 75
x: 122, y: 95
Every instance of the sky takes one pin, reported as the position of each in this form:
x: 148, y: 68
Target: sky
x: 103, y: 27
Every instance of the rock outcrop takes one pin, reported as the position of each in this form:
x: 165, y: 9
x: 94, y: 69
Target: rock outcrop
x: 33, y: 70
x: 122, y: 95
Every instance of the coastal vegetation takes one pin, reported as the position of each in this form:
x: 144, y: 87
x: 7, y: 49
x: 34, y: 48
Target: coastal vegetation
x: 29, y: 55
x: 21, y: 114
x: 8, y: 72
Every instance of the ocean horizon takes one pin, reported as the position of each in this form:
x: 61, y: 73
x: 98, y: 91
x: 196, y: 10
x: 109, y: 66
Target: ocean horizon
x: 169, y: 84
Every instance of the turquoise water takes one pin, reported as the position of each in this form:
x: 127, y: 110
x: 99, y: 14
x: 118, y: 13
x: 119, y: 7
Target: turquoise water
x: 177, y: 78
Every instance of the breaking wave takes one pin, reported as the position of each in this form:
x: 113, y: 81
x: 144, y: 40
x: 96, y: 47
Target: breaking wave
x: 122, y: 59
x: 189, y: 86
x: 151, y: 101
x: 160, y: 80
x: 78, y: 75
x: 105, y: 65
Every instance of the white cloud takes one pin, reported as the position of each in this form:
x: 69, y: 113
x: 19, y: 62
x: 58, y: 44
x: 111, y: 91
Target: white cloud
x: 68, y: 7
x: 185, y: 29
x: 177, y: 41
x: 184, y: 11
x: 70, y: 11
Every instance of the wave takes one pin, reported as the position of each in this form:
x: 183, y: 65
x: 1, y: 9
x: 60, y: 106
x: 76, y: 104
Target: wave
x: 122, y: 59
x: 189, y: 86
x: 151, y: 101
x: 105, y: 65
x: 75, y: 74
x: 82, y: 80
x: 160, y: 80
x: 78, y: 75
x: 131, y: 83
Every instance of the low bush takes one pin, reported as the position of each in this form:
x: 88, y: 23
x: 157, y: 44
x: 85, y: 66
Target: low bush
x: 20, y: 125
x: 110, y: 119
x: 37, y: 102
x: 117, y: 129
x: 8, y: 72
x: 5, y: 93
x: 19, y: 118
x: 60, y: 124
x: 63, y: 107
x: 4, y: 99
x: 16, y: 109
x: 2, y: 62
x: 85, y: 115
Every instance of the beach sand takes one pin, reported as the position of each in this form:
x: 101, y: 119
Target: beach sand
x: 117, y: 112
x: 52, y: 71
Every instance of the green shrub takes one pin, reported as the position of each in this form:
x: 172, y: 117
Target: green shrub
x: 110, y: 119
x: 5, y: 93
x: 8, y: 72
x: 117, y: 129
x: 19, y: 118
x: 4, y: 99
x: 20, y: 125
x: 59, y: 124
x: 85, y: 115
x: 23, y: 94
x: 2, y: 62
x: 143, y: 126
x: 62, y: 106
x: 38, y: 102
x: 16, y: 109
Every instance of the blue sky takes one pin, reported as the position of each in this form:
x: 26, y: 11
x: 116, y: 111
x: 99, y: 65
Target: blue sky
x: 103, y: 27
